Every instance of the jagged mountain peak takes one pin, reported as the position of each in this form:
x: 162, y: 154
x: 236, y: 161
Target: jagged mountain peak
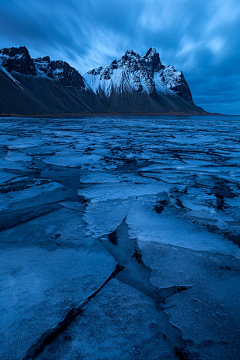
x: 18, y: 60
x: 13, y: 51
x: 132, y: 53
x: 151, y: 52
x: 152, y: 60
x: 144, y: 74
x: 131, y: 61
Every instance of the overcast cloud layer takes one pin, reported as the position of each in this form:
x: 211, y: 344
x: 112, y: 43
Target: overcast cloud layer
x: 199, y: 37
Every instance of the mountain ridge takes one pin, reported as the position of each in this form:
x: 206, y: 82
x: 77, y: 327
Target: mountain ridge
x: 132, y: 84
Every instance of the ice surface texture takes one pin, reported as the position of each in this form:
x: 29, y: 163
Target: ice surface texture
x: 120, y: 238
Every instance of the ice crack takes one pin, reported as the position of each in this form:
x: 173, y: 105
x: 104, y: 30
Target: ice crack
x: 53, y: 333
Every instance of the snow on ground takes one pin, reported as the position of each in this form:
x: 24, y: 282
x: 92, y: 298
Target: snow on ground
x: 160, y: 196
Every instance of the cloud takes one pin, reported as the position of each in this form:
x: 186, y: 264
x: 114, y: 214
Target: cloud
x: 162, y: 16
x: 104, y: 46
x: 201, y: 38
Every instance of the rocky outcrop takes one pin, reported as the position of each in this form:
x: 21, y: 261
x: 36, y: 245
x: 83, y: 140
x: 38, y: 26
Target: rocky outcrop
x: 43, y: 67
x: 59, y: 71
x: 17, y: 59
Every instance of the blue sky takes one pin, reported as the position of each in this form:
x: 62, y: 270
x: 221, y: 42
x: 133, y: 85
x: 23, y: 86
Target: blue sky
x: 199, y: 37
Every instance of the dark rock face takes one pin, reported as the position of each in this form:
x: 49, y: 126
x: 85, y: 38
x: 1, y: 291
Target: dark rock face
x: 18, y: 59
x: 67, y: 75
x: 182, y: 89
x: 152, y: 60
x: 43, y: 66
x: 59, y: 71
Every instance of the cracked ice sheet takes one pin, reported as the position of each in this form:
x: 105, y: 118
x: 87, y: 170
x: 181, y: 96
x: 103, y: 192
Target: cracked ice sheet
x: 47, y: 267
x: 91, y: 177
x: 70, y: 159
x: 120, y: 323
x: 24, y: 142
x: 5, y: 176
x: 168, y: 228
x: 17, y: 156
x: 101, y: 192
x: 13, y: 165
x: 147, y: 138
x: 104, y: 217
x: 110, y: 203
x: 33, y: 196
x: 208, y: 312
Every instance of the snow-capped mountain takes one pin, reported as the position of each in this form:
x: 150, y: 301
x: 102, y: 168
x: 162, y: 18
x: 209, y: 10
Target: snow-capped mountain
x: 19, y: 60
x: 144, y: 74
x: 133, y: 84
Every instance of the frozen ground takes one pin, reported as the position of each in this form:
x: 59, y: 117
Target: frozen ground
x: 120, y: 238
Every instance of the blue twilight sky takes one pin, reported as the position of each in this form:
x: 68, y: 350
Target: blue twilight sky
x: 199, y: 37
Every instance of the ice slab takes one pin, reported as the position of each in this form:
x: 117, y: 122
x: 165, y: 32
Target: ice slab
x: 208, y: 314
x: 132, y: 329
x: 17, y: 156
x: 40, y: 193
x: 12, y: 165
x: 69, y: 159
x: 98, y: 177
x: 47, y: 267
x: 104, y: 217
x: 167, y: 228
x: 102, y: 192
x: 5, y: 176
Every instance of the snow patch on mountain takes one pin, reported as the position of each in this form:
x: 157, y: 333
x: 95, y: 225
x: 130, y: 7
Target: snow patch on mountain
x: 43, y: 67
x: 59, y: 71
